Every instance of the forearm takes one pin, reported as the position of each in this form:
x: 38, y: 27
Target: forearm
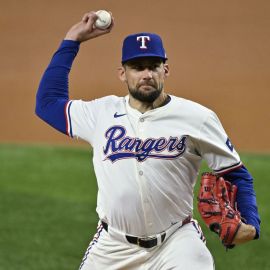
x: 52, y: 95
x: 246, y: 202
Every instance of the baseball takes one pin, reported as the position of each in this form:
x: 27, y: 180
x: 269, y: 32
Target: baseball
x: 104, y: 19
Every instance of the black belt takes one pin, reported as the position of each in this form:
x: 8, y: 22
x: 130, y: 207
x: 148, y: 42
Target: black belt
x: 145, y: 242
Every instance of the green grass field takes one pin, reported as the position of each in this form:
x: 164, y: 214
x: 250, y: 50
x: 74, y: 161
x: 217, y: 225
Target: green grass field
x: 47, y: 210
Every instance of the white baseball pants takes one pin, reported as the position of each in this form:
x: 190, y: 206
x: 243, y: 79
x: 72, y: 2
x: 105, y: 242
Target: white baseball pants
x: 183, y: 250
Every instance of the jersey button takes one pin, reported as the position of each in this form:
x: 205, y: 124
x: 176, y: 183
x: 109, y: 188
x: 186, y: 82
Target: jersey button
x: 141, y: 173
x: 142, y: 120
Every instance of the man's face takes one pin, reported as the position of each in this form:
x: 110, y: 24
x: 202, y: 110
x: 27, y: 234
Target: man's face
x: 144, y: 78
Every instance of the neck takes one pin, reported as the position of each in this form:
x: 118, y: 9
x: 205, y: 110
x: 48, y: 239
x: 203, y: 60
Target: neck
x: 146, y: 106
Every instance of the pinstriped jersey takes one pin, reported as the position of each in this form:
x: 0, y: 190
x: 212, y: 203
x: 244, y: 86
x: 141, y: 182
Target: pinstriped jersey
x: 147, y: 164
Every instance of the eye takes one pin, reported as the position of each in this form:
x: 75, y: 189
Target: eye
x: 154, y: 67
x: 140, y: 68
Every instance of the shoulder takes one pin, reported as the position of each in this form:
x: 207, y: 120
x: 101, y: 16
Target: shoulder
x: 108, y: 100
x: 190, y: 108
x: 100, y: 102
x: 95, y: 107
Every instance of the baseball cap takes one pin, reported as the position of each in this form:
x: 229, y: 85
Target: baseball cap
x: 142, y: 45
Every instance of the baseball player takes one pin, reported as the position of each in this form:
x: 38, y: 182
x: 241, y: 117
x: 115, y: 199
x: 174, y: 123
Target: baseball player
x: 148, y: 147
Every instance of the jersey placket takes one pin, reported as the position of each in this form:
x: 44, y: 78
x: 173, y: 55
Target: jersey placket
x: 138, y: 123
x: 142, y: 178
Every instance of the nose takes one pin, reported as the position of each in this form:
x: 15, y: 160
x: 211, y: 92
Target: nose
x: 147, y: 73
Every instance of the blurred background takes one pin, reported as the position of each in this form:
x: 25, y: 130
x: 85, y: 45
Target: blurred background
x: 218, y: 55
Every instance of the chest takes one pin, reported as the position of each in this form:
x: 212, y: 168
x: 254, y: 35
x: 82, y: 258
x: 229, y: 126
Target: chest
x: 124, y: 136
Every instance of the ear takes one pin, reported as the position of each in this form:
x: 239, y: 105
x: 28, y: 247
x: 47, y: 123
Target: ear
x: 122, y: 74
x: 166, y: 70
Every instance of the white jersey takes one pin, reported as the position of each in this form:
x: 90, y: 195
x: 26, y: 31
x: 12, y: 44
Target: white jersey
x: 147, y: 164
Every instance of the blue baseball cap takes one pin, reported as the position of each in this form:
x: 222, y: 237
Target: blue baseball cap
x: 142, y: 45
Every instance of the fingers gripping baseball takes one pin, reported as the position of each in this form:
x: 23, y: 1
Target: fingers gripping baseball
x: 85, y: 17
x: 85, y: 29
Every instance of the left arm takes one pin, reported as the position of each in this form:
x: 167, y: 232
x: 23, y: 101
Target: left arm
x: 216, y: 148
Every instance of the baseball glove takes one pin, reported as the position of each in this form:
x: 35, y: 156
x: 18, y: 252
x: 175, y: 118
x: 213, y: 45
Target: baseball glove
x: 217, y: 207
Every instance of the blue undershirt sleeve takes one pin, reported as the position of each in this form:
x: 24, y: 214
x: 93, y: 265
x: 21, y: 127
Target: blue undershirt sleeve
x: 52, y: 95
x: 246, y: 197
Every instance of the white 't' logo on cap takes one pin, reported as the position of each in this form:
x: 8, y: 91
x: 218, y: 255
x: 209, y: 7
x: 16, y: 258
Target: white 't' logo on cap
x: 143, y: 41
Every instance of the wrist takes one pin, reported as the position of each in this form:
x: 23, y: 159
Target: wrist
x: 245, y: 233
x: 72, y: 37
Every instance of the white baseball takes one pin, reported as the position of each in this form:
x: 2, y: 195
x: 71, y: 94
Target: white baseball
x: 104, y: 19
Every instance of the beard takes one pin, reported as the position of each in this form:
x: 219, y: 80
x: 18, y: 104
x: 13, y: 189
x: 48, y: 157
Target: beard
x: 148, y: 96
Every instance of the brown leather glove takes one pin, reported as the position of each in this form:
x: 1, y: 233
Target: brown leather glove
x: 217, y: 207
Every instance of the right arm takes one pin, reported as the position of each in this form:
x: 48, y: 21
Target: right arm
x: 52, y: 95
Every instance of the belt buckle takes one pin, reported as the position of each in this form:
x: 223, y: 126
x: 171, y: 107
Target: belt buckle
x: 139, y: 239
x: 145, y: 239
